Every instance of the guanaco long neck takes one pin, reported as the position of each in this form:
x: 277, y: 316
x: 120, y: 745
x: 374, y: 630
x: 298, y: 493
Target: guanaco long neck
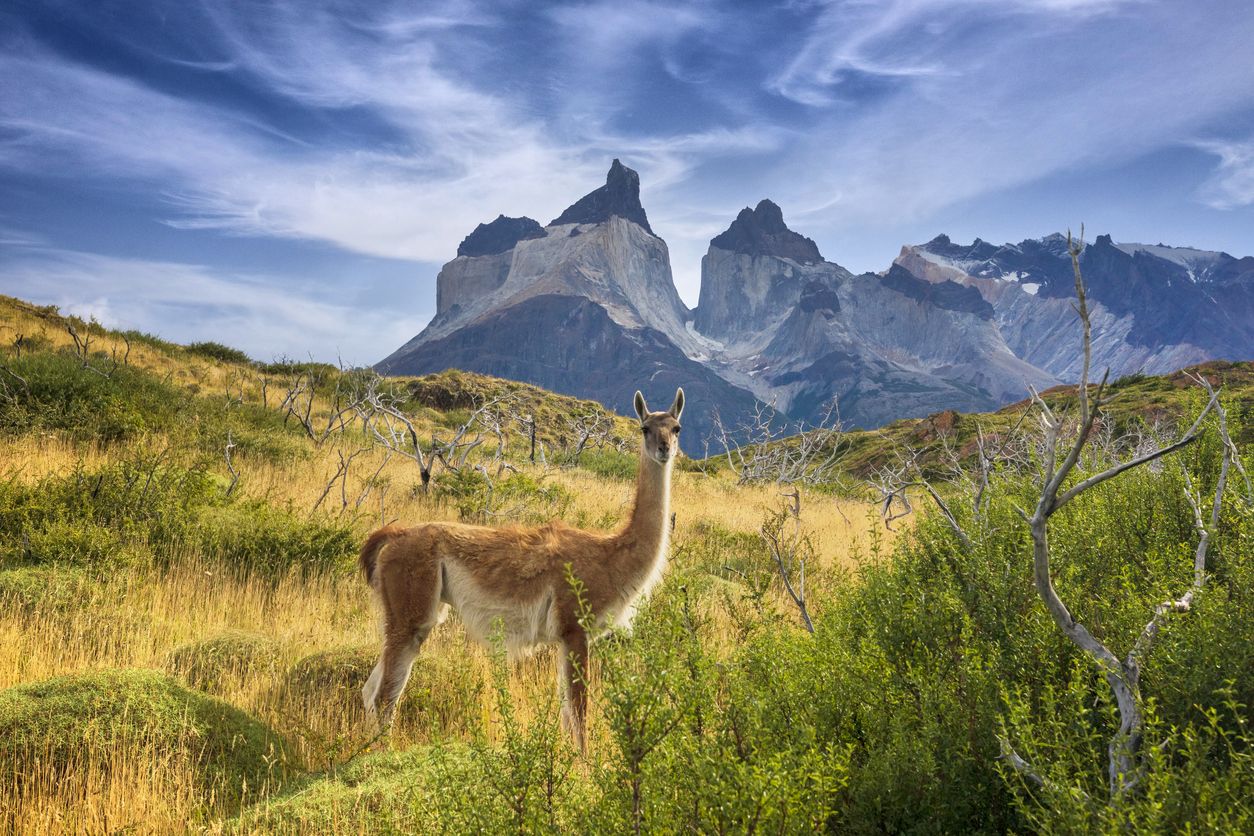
x: 648, y: 528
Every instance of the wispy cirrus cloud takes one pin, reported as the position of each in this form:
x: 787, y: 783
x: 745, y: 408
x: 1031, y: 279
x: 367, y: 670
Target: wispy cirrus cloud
x: 1232, y: 184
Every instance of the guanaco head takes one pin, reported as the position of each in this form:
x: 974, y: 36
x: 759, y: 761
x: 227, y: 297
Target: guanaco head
x: 660, y: 429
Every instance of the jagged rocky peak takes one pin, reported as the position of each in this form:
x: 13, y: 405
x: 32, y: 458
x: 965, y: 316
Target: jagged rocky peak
x: 499, y: 236
x: 762, y: 231
x: 619, y: 196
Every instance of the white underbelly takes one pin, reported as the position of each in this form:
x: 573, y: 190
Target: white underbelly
x: 521, y: 624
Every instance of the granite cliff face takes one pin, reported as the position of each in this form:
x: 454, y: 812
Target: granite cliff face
x: 798, y: 330
x: 587, y: 306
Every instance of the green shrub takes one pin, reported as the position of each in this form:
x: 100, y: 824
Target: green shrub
x: 518, y: 496
x: 60, y: 396
x: 64, y: 720
x: 609, y: 463
x: 221, y: 353
x: 141, y: 512
x: 48, y: 588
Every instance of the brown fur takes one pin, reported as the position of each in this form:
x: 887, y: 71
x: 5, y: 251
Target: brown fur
x: 516, y: 578
x: 370, y: 549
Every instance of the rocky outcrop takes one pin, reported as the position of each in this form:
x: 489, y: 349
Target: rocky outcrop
x: 762, y: 231
x: 619, y: 196
x: 754, y: 274
x: 499, y: 236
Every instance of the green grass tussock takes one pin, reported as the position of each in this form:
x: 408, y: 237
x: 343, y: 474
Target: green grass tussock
x: 61, y: 720
x: 232, y: 657
x: 386, y: 792
x: 441, y: 700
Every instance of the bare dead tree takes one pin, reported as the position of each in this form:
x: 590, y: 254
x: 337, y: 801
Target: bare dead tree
x: 341, y: 476
x: 82, y: 349
x: 591, y: 428
x: 766, y: 448
x: 391, y: 428
x: 233, y: 398
x: 536, y: 445
x: 230, y: 466
x: 894, y: 482
x: 373, y: 481
x: 790, y: 551
x: 1125, y: 764
x: 344, y: 402
x: 10, y: 379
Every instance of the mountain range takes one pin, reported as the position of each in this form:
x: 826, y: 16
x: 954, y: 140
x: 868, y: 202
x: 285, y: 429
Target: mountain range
x: 586, y: 305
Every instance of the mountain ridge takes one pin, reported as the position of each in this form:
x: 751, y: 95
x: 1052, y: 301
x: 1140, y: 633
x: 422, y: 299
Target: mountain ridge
x: 947, y: 325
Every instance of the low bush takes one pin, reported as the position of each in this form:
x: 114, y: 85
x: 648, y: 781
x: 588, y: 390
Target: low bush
x: 143, y: 513
x: 609, y: 463
x: 221, y: 353
x: 54, y: 393
x: 518, y: 496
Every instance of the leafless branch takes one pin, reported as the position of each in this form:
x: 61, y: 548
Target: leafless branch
x: 230, y: 467
x: 766, y: 448
x: 788, y: 551
x: 82, y: 349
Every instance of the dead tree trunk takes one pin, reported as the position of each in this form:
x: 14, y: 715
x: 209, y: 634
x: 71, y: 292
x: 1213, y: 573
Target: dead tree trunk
x: 1125, y: 766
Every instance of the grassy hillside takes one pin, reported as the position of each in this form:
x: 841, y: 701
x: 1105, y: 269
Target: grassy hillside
x: 1135, y: 400
x: 185, y: 636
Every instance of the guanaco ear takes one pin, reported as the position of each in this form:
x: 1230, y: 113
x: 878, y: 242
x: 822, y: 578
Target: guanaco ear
x: 642, y: 409
x: 677, y: 408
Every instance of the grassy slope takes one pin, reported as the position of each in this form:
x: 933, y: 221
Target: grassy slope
x: 95, y: 469
x: 1135, y: 399
x: 288, y: 650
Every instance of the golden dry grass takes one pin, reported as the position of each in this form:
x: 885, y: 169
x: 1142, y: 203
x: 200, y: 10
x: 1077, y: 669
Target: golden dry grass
x: 137, y: 622
x: 141, y: 621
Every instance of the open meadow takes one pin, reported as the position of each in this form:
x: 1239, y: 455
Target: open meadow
x: 184, y: 633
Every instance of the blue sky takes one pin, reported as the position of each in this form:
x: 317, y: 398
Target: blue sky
x: 288, y: 176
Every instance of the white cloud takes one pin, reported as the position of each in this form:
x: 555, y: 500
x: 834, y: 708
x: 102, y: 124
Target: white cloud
x: 191, y: 302
x: 1232, y: 184
x: 1021, y: 104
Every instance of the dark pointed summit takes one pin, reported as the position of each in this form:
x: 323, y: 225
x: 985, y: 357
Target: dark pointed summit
x: 762, y: 231
x: 499, y: 236
x: 619, y: 196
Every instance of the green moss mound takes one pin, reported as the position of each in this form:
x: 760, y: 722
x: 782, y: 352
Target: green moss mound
x: 387, y: 792
x: 48, y: 588
x: 66, y: 720
x: 439, y: 698
x: 210, y: 664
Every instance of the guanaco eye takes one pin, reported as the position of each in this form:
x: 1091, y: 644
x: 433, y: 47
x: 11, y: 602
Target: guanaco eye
x: 677, y: 429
